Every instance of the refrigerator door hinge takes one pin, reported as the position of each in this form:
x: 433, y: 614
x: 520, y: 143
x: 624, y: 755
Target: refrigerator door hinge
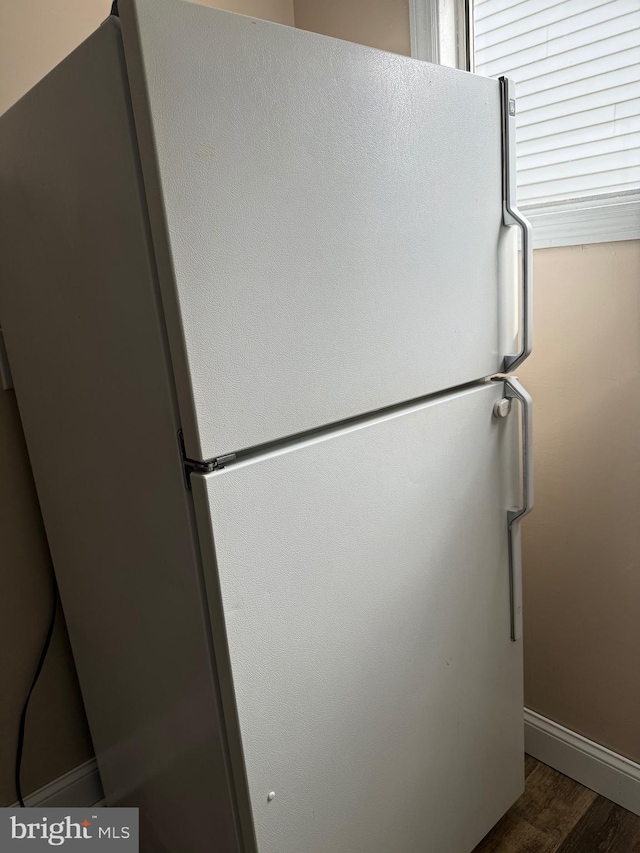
x: 6, y: 379
x: 196, y: 466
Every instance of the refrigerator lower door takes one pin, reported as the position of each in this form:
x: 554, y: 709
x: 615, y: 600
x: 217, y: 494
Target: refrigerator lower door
x: 358, y: 587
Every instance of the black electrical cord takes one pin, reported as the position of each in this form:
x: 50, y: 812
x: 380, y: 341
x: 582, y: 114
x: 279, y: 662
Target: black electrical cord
x: 25, y: 707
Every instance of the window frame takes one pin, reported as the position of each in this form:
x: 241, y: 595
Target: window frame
x: 442, y: 32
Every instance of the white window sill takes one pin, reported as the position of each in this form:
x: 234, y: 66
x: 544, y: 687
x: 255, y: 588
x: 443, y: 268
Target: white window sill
x: 596, y: 220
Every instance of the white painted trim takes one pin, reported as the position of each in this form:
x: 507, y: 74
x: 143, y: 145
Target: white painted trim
x: 423, y: 26
x: 609, y: 774
x: 440, y: 31
x: 78, y: 788
x: 595, y: 220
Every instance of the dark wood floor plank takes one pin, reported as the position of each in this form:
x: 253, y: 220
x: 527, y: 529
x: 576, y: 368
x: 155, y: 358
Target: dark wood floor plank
x: 543, y: 817
x: 530, y: 765
x: 605, y: 828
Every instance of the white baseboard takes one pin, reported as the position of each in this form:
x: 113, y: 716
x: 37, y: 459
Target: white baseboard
x: 79, y: 788
x: 594, y: 766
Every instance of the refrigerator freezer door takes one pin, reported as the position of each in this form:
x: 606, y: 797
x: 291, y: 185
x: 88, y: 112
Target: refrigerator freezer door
x: 327, y: 221
x: 359, y: 590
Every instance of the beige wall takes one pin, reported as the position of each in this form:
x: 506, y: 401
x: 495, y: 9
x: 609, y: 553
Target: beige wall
x: 582, y: 543
x: 378, y: 23
x: 34, y: 36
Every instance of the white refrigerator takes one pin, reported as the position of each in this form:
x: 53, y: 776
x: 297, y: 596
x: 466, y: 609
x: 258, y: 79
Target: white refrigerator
x: 259, y: 291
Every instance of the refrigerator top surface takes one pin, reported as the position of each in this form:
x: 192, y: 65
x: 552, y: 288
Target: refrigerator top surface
x: 327, y: 220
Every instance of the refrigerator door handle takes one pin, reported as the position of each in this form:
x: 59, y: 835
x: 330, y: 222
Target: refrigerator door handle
x: 512, y: 216
x: 514, y: 390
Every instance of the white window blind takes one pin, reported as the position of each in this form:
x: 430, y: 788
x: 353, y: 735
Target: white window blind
x: 576, y: 64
